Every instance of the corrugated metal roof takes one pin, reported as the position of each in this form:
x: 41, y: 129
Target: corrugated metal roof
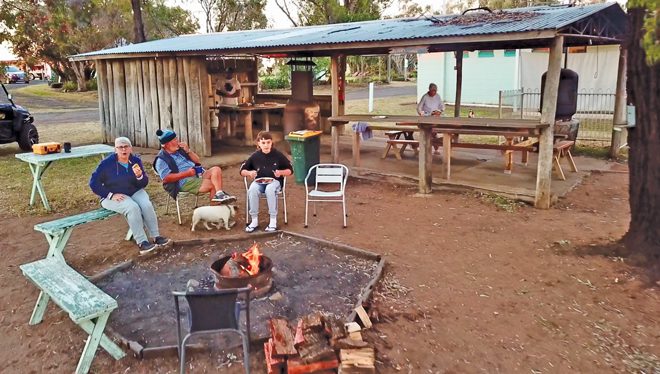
x: 547, y: 18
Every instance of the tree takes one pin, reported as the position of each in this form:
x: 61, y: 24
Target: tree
x: 322, y: 12
x: 52, y: 30
x: 643, y: 54
x: 138, y: 25
x: 232, y: 15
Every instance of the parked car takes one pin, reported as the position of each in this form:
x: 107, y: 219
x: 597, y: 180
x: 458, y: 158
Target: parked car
x: 13, y: 74
x: 16, y: 123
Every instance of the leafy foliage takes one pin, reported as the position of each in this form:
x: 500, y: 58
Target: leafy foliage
x: 651, y: 39
x: 235, y: 15
x: 322, y: 12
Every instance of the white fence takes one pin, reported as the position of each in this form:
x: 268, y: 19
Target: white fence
x: 595, y: 110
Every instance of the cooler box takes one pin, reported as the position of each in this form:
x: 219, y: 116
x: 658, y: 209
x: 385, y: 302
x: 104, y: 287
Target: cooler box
x: 46, y: 148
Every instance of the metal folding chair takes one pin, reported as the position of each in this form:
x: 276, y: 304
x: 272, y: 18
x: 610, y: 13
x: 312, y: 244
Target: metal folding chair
x: 213, y: 312
x: 281, y: 194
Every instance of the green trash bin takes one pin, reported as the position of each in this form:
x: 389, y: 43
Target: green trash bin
x: 306, y: 152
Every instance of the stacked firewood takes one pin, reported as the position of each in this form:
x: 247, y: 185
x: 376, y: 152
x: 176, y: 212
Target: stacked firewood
x: 319, y: 344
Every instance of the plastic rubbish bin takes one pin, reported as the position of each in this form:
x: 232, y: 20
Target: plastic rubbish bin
x: 305, y: 152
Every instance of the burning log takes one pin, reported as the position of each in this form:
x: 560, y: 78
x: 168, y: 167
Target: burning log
x: 243, y: 264
x: 282, y: 337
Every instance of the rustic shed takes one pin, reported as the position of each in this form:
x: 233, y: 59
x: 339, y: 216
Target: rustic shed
x: 167, y: 84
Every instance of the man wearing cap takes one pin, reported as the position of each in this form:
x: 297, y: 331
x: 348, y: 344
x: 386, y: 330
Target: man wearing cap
x: 180, y: 169
x: 119, y: 180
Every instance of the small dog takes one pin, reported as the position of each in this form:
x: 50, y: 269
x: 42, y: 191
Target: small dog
x: 215, y: 214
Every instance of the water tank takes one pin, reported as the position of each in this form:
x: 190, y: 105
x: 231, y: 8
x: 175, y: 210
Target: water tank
x: 567, y: 95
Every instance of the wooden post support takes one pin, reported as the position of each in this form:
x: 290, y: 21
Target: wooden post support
x: 425, y: 157
x: 459, y: 83
x: 499, y: 105
x: 337, y: 71
x: 544, y: 169
x: 356, y: 149
x: 620, y: 118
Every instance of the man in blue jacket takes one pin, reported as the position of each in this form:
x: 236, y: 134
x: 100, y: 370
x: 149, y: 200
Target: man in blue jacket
x: 120, y: 180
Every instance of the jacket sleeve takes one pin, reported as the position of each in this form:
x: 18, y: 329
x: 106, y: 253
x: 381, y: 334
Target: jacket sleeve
x: 142, y: 183
x: 285, y: 163
x: 97, y: 182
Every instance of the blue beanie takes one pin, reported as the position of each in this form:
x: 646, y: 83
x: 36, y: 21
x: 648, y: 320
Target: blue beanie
x: 165, y: 136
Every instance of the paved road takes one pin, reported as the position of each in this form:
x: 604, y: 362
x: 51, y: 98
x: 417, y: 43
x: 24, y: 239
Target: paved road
x: 52, y: 111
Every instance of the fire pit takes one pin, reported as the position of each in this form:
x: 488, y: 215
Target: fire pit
x: 245, y: 269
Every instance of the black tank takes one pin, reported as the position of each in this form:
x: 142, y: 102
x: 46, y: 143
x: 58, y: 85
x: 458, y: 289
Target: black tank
x: 567, y: 95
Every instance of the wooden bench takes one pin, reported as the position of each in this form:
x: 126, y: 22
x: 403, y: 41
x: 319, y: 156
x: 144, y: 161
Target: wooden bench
x: 560, y: 149
x: 59, y: 231
x: 86, y: 304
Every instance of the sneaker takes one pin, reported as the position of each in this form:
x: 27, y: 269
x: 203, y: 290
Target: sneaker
x: 222, y: 197
x: 162, y: 241
x: 270, y: 229
x: 147, y: 247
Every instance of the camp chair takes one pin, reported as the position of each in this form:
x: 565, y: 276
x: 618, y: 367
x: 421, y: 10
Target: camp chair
x: 213, y: 312
x: 179, y: 195
x: 281, y: 194
x: 326, y: 174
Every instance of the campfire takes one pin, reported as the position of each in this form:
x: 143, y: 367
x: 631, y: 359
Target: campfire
x: 250, y: 268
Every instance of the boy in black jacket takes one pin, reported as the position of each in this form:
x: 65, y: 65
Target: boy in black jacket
x: 267, y: 167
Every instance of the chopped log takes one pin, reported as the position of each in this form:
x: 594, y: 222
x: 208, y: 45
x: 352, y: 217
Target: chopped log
x: 348, y: 343
x: 282, y: 337
x: 364, y: 317
x: 315, y: 347
x: 297, y: 366
x: 334, y: 329
x: 352, y: 327
x: 313, y: 321
x: 361, y: 360
x: 274, y: 364
x: 299, y: 338
x: 355, y: 335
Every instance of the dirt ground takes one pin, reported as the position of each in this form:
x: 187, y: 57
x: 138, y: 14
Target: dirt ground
x: 468, y: 288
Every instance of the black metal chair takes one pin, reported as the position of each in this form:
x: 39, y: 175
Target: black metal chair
x: 212, y: 312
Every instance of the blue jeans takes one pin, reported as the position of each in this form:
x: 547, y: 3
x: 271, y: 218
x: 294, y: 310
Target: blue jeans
x: 270, y: 190
x: 139, y: 212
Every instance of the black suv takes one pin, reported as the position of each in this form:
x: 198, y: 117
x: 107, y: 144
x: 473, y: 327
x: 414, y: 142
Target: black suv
x: 16, y: 123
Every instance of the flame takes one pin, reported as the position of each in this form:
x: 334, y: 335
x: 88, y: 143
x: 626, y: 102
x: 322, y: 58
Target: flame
x: 253, y: 255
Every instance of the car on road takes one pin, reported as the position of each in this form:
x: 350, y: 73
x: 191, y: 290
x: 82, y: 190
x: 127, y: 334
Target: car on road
x: 13, y: 74
x: 16, y: 123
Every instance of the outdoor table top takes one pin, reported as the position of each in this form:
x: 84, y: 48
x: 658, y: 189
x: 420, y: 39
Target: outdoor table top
x: 81, y: 151
x: 250, y: 108
x: 443, y: 122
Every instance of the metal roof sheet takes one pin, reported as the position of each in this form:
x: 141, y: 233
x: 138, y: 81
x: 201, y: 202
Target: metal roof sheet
x: 547, y: 18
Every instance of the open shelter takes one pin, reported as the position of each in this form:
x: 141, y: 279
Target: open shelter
x: 169, y: 83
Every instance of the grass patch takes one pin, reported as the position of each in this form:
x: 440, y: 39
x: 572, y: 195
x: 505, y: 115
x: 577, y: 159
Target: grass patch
x: 501, y: 202
x: 44, y: 91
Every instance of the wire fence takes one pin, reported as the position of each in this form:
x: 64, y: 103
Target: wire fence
x: 595, y: 111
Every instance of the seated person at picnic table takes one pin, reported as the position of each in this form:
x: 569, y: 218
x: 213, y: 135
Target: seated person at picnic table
x: 180, y: 169
x: 267, y: 162
x: 119, y: 180
x: 431, y: 103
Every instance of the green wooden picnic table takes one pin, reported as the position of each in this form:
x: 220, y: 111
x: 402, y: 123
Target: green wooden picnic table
x: 40, y: 163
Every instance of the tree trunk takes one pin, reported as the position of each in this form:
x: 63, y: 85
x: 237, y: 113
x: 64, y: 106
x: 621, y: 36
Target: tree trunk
x: 644, y: 140
x: 79, y: 70
x: 138, y: 25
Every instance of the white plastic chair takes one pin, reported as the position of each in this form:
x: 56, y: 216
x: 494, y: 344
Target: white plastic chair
x: 327, y: 174
x: 281, y: 194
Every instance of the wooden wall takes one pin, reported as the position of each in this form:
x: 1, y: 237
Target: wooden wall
x: 139, y: 96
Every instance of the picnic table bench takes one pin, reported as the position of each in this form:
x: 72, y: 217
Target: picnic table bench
x: 87, y: 305
x: 59, y: 231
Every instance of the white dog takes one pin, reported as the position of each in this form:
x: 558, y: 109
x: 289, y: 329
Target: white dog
x: 215, y: 214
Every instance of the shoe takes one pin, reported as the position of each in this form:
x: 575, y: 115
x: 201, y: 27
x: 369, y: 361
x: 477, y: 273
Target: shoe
x: 147, y: 247
x: 222, y: 197
x: 250, y: 229
x: 162, y: 241
x: 270, y: 229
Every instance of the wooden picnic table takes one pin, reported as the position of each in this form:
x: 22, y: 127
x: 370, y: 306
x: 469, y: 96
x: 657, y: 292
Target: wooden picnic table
x: 246, y: 111
x: 40, y: 163
x: 426, y: 126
